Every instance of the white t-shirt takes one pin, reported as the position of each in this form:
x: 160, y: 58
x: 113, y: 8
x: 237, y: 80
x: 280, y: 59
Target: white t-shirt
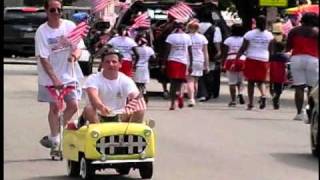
x: 124, y: 44
x: 52, y: 44
x: 198, y: 41
x: 142, y: 74
x: 144, y: 52
x: 234, y: 43
x: 179, y: 47
x: 217, y: 37
x: 113, y: 93
x: 258, y: 44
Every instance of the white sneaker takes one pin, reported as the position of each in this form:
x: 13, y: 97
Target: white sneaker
x: 300, y: 117
x: 201, y: 99
x: 191, y: 103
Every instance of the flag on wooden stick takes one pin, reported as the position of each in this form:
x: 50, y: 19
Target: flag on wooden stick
x: 181, y: 11
x: 80, y: 31
x: 142, y: 20
x: 99, y: 5
x: 135, y: 105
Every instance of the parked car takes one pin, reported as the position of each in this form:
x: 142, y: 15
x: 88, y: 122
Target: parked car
x: 117, y: 145
x: 313, y: 115
x: 20, y: 25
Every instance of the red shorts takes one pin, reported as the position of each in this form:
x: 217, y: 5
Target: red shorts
x: 176, y: 70
x: 234, y: 65
x: 255, y: 70
x: 278, y: 72
x: 126, y: 68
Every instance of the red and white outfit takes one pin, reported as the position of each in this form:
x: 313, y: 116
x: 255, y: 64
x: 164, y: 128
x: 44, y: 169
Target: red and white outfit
x: 256, y: 64
x: 178, y: 57
x: 304, y: 62
x: 233, y: 66
x: 198, y: 41
x: 142, y: 74
x: 124, y: 44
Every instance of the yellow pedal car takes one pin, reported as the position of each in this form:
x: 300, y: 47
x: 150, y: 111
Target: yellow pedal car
x: 118, y: 145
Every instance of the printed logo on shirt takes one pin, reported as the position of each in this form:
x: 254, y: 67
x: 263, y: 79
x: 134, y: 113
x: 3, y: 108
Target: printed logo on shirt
x: 58, y: 43
x: 119, y: 95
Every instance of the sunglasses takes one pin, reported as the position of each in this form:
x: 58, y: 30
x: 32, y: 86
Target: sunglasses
x: 58, y: 10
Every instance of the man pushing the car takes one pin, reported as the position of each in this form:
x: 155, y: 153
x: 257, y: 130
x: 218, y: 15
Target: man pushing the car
x: 110, y: 90
x: 56, y: 62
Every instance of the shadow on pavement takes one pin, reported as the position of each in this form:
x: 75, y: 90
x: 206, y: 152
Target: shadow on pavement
x: 97, y: 177
x: 300, y: 160
x: 267, y: 119
x: 25, y: 160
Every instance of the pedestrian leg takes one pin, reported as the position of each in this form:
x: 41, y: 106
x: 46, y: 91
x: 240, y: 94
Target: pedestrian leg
x: 250, y: 94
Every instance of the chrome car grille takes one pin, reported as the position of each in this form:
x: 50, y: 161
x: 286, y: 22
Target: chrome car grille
x: 121, y: 144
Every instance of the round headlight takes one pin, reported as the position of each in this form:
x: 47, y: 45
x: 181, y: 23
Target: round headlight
x: 94, y: 134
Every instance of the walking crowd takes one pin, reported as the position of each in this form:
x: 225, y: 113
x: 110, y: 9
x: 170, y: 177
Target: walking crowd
x: 193, y: 55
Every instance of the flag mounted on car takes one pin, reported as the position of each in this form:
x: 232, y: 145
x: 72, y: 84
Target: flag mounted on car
x: 181, y: 11
x: 135, y: 105
x: 80, y: 31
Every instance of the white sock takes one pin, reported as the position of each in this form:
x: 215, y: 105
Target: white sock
x: 55, y: 139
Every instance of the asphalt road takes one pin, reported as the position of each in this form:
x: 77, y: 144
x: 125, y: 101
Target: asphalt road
x: 208, y: 142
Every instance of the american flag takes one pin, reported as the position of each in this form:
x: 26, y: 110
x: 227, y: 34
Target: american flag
x: 286, y: 27
x: 136, y: 104
x: 80, y: 31
x: 142, y: 20
x: 181, y: 11
x: 98, y: 5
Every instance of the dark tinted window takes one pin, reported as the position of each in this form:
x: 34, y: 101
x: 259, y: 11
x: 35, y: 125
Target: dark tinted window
x: 22, y: 17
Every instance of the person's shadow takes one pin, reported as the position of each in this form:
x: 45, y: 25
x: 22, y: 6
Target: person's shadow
x: 96, y: 177
x: 300, y: 160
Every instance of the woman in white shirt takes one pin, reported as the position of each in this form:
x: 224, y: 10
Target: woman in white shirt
x: 179, y: 55
x: 141, y: 67
x: 234, y: 67
x: 200, y: 59
x: 126, y: 46
x: 257, y: 45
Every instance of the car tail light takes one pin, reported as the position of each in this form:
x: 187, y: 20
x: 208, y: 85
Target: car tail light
x: 29, y: 9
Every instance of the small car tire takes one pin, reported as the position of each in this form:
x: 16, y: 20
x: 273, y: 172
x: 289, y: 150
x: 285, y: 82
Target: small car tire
x: 146, y: 170
x: 123, y: 170
x: 86, y: 169
x: 73, y: 168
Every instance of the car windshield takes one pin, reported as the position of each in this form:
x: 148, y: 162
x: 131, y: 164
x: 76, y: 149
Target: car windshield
x: 21, y: 17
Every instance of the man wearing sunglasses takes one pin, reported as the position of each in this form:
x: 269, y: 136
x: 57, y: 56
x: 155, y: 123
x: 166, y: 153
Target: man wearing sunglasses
x: 58, y: 67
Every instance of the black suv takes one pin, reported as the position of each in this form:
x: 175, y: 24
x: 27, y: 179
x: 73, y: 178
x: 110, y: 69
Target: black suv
x: 20, y: 25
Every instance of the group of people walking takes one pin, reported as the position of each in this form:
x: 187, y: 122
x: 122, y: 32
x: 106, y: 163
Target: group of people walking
x: 186, y: 60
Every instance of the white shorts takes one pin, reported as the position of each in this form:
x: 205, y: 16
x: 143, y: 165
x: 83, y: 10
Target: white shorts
x: 45, y: 96
x: 234, y: 78
x: 304, y: 70
x: 141, y: 75
x: 197, y: 69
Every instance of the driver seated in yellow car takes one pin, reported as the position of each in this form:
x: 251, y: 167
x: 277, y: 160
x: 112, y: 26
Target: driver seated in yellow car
x: 109, y: 91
